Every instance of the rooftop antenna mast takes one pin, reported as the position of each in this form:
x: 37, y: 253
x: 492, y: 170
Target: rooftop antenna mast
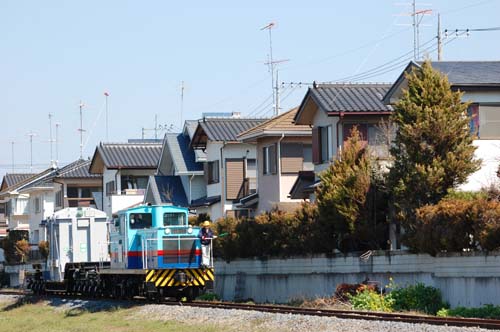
x: 57, y: 142
x: 418, y: 16
x: 271, y: 63
x: 81, y: 130
x: 106, y: 95
x: 50, y: 139
x: 31, y: 134
x: 12, y: 156
x: 182, y: 100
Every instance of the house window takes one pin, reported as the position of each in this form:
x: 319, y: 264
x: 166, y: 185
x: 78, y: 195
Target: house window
x: 489, y: 122
x: 59, y: 198
x: 213, y: 171
x: 22, y: 206
x: 37, y: 204
x: 307, y: 155
x: 72, y: 192
x: 110, y: 188
x: 251, y: 174
x: 292, y: 158
x: 326, y: 143
x: 269, y: 164
x: 134, y: 182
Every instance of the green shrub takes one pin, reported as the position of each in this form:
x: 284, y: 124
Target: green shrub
x: 208, y: 297
x: 487, y: 311
x: 370, y: 300
x: 417, y: 297
x: 457, y: 224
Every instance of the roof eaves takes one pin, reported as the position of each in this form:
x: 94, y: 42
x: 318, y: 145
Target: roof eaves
x: 301, y: 106
x: 388, y: 95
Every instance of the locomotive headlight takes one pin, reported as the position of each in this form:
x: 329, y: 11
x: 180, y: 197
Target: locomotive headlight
x: 167, y: 231
x: 190, y: 230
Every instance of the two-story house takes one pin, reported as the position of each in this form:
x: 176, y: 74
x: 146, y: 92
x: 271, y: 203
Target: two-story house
x: 480, y: 83
x: 125, y: 170
x: 179, y: 178
x: 229, y: 165
x: 332, y: 110
x: 75, y: 186
x: 283, y: 150
x: 9, y: 181
x: 19, y: 204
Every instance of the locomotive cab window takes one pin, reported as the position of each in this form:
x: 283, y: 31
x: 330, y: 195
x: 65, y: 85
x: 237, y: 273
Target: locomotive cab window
x: 174, y: 219
x: 140, y: 220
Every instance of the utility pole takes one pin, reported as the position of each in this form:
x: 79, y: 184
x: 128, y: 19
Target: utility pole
x: 81, y: 130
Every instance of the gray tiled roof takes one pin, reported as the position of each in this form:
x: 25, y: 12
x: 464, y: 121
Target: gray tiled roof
x: 130, y: 155
x: 11, y: 179
x: 182, y: 154
x: 350, y: 97
x: 470, y: 72
x: 191, y: 127
x: 223, y: 129
x: 77, y: 169
x: 39, y: 177
x: 41, y: 180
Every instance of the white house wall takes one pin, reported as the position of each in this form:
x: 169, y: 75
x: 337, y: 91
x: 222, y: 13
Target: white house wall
x: 489, y: 152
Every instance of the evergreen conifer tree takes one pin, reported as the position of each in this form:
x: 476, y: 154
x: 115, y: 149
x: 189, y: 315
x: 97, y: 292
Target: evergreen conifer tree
x: 341, y: 197
x: 433, y: 149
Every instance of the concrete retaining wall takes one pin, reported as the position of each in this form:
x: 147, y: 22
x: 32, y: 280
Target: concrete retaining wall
x: 466, y: 279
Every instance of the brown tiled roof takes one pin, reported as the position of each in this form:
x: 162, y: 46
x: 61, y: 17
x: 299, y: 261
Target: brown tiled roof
x: 282, y: 123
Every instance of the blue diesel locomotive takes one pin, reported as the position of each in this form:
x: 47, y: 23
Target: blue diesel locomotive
x: 154, y: 252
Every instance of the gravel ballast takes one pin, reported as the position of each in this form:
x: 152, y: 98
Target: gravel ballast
x: 244, y: 320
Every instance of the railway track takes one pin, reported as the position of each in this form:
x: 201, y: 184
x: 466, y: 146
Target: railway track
x: 344, y: 314
x: 356, y: 314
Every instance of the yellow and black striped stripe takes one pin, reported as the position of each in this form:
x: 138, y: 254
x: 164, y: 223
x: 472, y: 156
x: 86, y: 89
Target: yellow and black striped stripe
x: 165, y: 277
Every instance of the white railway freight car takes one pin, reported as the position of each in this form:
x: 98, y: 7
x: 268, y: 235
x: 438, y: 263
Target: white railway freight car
x: 76, y: 235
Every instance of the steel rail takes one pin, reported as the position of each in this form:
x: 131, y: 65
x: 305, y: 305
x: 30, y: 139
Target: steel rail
x: 344, y: 314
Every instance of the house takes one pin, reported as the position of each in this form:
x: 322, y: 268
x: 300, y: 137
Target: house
x: 75, y: 186
x: 179, y: 178
x: 125, y: 170
x: 332, y: 110
x: 19, y: 204
x: 480, y: 83
x: 283, y: 150
x: 9, y: 180
x: 69, y: 186
x: 230, y: 166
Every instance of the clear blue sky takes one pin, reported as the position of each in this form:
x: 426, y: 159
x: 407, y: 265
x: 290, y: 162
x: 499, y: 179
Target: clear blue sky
x: 56, y: 53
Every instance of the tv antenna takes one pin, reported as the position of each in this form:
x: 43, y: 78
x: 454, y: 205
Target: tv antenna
x: 31, y: 134
x: 417, y: 17
x: 57, y: 141
x: 271, y: 63
x: 182, y: 100
x: 50, y: 139
x: 81, y: 130
x: 106, y: 95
